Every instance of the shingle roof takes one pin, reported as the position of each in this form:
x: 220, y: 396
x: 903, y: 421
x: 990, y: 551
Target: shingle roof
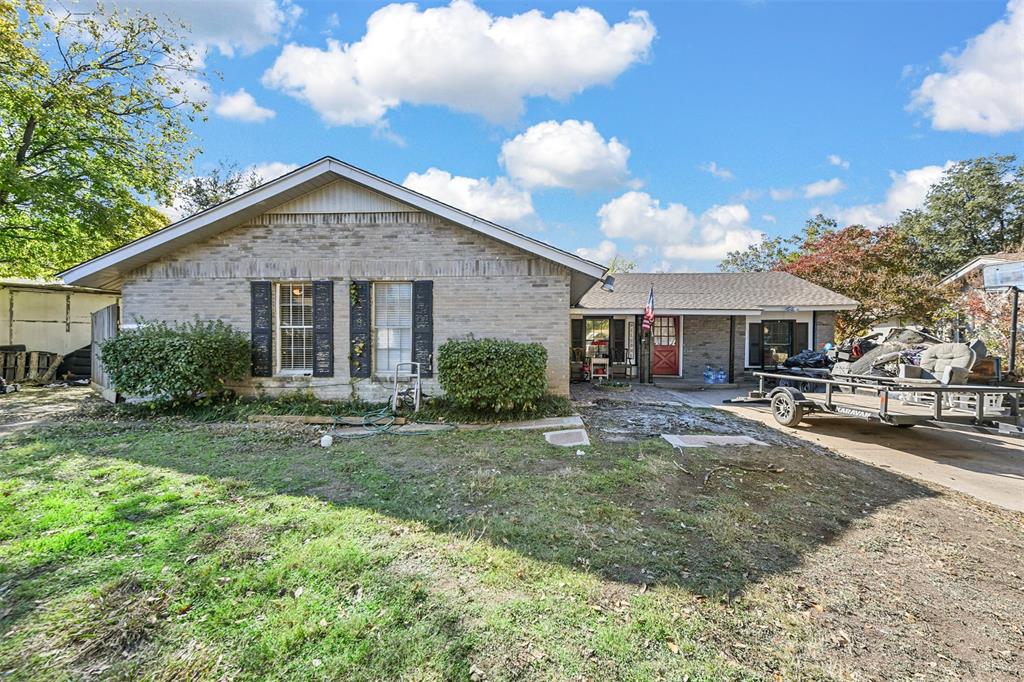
x: 712, y: 291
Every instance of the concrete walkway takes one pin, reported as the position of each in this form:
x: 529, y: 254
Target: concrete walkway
x: 990, y: 468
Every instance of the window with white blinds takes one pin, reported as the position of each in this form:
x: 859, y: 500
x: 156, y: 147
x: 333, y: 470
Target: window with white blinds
x: 392, y: 324
x: 295, y: 326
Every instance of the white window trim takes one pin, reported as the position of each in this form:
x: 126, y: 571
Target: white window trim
x: 377, y: 372
x: 278, y: 371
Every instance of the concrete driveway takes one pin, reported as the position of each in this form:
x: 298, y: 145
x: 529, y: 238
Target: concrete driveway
x: 990, y: 468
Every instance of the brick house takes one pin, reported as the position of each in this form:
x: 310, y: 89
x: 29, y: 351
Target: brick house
x: 731, y: 321
x: 339, y: 274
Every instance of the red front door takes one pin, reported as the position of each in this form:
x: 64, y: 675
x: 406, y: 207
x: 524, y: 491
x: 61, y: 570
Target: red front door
x: 666, y: 345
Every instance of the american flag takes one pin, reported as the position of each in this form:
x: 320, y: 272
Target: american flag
x: 649, y: 312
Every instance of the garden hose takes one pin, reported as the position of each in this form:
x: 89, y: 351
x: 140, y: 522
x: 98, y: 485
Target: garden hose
x: 381, y: 421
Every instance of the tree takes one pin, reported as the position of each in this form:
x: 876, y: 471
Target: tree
x: 93, y: 131
x: 223, y: 182
x: 771, y: 253
x: 976, y: 208
x: 878, y: 269
x: 619, y: 265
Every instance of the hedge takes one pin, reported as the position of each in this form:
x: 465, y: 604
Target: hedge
x: 493, y: 375
x: 182, y: 363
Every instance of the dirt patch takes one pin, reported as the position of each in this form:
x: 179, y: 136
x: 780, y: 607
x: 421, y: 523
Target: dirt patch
x: 928, y: 588
x: 622, y: 421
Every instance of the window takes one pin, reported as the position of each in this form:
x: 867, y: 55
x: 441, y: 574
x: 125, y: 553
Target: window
x: 664, y: 331
x: 777, y: 338
x: 295, y: 326
x: 597, y: 337
x: 392, y: 324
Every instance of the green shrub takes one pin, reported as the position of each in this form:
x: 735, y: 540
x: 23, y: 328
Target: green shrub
x: 493, y: 375
x: 180, y: 363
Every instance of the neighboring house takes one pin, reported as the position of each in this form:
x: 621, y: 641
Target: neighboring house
x: 982, y: 313
x: 340, y: 275
x: 732, y: 321
x: 48, y: 316
x: 969, y: 275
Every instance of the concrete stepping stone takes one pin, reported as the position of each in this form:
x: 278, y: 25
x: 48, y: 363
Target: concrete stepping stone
x: 568, y: 438
x: 702, y: 441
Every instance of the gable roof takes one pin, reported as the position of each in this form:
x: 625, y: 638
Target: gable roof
x: 979, y: 262
x: 722, y: 292
x: 106, y: 270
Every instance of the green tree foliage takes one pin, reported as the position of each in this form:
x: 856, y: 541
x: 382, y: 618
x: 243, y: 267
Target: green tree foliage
x: 493, y: 375
x: 93, y: 131
x: 977, y: 208
x: 182, y: 363
x: 877, y: 268
x: 771, y: 253
x: 619, y: 265
x: 223, y: 182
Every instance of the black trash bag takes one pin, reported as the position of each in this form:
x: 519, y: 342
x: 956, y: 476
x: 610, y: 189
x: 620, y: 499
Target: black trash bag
x: 808, y: 359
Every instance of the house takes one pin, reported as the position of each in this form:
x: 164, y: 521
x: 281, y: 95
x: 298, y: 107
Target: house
x: 48, y: 316
x: 982, y: 313
x: 730, y: 321
x: 969, y: 275
x: 340, y: 275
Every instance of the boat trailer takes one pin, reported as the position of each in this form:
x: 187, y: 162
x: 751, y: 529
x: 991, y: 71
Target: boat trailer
x: 989, y: 409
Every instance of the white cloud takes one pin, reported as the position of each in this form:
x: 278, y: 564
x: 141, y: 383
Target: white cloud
x: 500, y: 200
x: 570, y: 154
x: 981, y: 89
x: 769, y: 218
x: 679, y: 234
x: 782, y: 193
x: 720, y: 173
x: 241, y: 106
x: 823, y: 188
x: 836, y: 160
x: 269, y: 170
x: 228, y: 25
x: 907, y: 191
x: 602, y: 253
x: 461, y: 57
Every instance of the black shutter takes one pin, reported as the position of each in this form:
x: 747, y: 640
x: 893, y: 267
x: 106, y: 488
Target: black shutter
x: 423, y: 326
x: 323, y: 328
x: 618, y: 341
x: 754, y: 341
x: 801, y: 337
x: 360, y: 347
x: 262, y: 329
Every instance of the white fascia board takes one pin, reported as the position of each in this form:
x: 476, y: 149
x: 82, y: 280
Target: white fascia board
x: 265, y: 193
x: 468, y: 220
x: 659, y: 312
x: 808, y: 308
x: 972, y: 265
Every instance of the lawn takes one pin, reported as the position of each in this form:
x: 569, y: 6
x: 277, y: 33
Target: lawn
x: 168, y: 549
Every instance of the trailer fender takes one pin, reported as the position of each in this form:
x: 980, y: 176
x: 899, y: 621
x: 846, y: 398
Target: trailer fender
x: 797, y: 395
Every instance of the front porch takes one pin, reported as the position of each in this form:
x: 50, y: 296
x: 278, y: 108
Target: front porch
x: 685, y: 344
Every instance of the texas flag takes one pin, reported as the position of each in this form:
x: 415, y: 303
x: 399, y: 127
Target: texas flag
x: 649, y: 312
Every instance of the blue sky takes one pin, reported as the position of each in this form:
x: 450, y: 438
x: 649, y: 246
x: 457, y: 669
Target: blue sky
x: 850, y: 108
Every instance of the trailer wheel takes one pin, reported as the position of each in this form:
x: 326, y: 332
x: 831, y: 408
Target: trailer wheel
x: 786, y: 410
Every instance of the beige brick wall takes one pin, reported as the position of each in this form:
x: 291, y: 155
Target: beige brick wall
x: 706, y: 342
x: 481, y: 286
